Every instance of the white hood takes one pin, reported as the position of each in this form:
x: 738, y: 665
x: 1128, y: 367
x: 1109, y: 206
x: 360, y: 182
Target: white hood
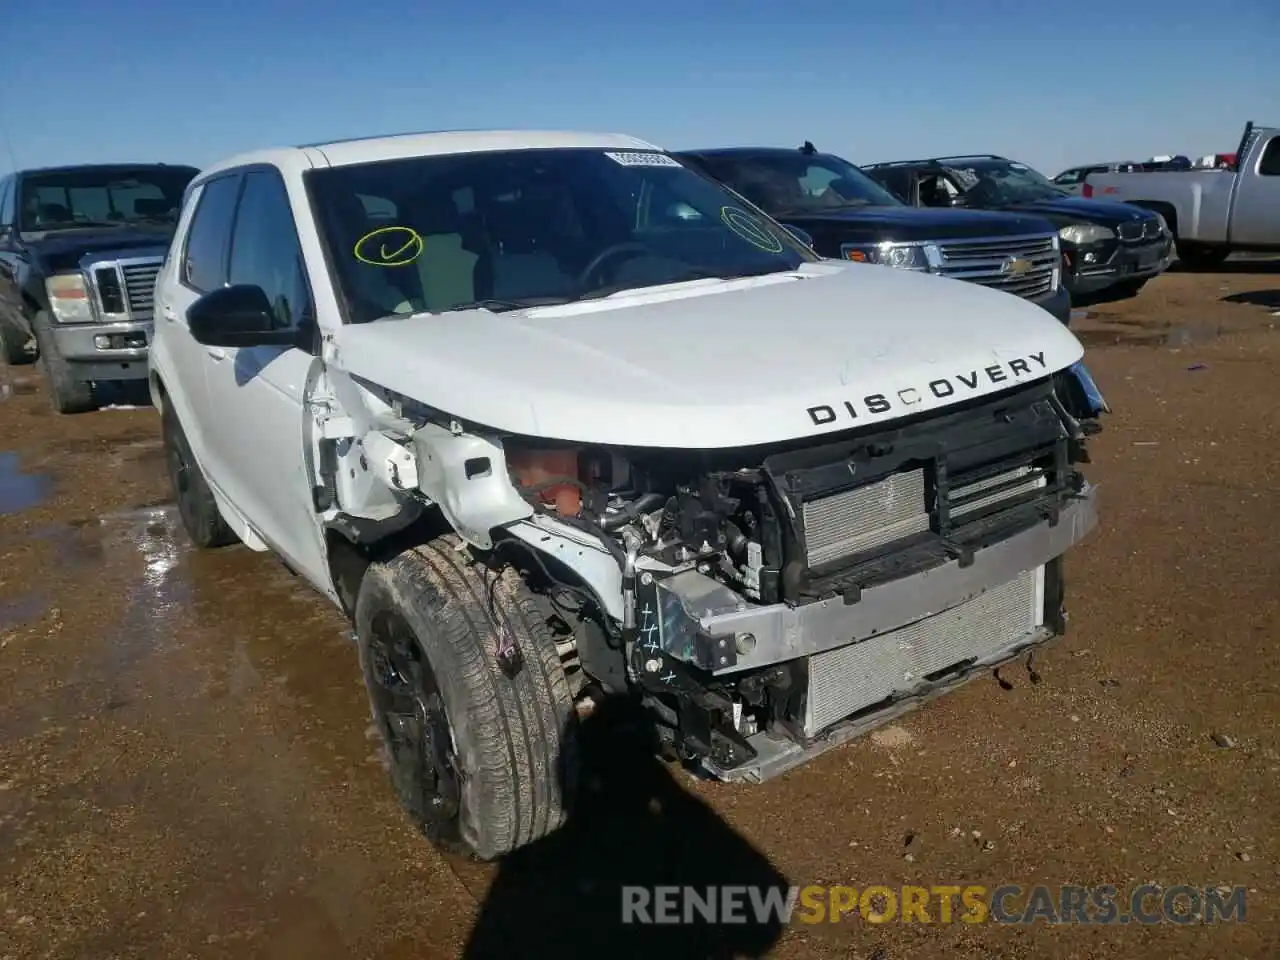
x: 713, y: 364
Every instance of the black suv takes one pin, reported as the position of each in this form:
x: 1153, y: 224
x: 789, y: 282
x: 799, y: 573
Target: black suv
x: 1107, y: 246
x: 842, y: 213
x: 80, y: 248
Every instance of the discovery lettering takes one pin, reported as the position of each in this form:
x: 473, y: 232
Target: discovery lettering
x: 963, y: 383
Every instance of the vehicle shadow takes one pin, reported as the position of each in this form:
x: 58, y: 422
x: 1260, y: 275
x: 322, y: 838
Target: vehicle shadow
x: 633, y: 828
x: 1237, y: 264
x: 1258, y: 298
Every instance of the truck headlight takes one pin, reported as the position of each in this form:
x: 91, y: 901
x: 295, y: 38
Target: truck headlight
x: 905, y: 256
x: 1085, y: 233
x: 69, y: 298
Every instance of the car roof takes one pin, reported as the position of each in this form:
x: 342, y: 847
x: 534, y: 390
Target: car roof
x: 340, y: 153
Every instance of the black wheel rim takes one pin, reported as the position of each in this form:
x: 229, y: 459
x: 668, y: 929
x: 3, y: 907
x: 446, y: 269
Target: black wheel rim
x: 411, y: 715
x: 181, y: 476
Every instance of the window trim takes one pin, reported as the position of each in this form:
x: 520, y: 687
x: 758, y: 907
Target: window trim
x: 186, y: 239
x: 1272, y: 145
x: 300, y: 327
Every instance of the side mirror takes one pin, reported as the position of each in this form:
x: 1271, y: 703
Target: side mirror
x: 238, y: 316
x: 800, y: 235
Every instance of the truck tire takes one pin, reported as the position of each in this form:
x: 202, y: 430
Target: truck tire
x: 67, y: 392
x: 13, y: 346
x: 483, y: 759
x: 199, y: 511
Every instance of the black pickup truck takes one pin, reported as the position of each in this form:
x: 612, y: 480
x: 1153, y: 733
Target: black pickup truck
x: 842, y: 213
x: 80, y: 248
x: 1106, y: 246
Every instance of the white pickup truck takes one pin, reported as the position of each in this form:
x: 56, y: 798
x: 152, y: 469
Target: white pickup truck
x: 1212, y: 213
x: 555, y: 419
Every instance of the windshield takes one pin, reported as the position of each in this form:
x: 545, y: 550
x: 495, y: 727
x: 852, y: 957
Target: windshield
x: 784, y: 184
x: 101, y: 196
x: 991, y: 182
x: 504, y: 230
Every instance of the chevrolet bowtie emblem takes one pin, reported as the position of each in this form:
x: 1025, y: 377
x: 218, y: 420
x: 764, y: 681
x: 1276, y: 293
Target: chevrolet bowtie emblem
x: 1015, y: 266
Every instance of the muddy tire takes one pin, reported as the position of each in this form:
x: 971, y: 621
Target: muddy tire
x: 199, y: 511
x: 483, y: 759
x: 67, y: 392
x: 13, y: 346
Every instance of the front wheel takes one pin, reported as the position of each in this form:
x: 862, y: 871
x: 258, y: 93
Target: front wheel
x: 483, y: 756
x: 67, y: 392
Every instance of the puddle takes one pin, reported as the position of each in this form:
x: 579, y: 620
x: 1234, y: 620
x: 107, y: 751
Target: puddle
x: 15, y: 613
x: 19, y: 491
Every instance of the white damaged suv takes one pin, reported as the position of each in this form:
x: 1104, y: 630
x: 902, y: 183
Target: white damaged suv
x: 553, y: 417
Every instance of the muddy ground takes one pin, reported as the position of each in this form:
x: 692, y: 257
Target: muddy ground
x: 186, y: 766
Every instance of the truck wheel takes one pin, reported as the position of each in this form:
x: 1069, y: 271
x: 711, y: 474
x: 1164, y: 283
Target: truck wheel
x: 199, y: 511
x: 13, y: 346
x: 68, y: 393
x: 484, y: 760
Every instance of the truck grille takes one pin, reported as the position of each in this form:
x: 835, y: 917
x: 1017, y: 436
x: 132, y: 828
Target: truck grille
x: 126, y: 288
x: 867, y: 518
x: 1019, y: 265
x: 851, y: 678
x: 140, y: 286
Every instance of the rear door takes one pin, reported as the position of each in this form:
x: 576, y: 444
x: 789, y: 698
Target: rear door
x: 1255, y: 215
x: 259, y: 443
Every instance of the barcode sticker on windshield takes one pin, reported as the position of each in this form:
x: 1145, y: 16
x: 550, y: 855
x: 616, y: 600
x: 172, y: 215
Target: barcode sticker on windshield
x: 637, y: 159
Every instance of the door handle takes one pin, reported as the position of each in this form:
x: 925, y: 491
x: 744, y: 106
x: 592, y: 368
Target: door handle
x: 217, y: 353
x: 168, y: 312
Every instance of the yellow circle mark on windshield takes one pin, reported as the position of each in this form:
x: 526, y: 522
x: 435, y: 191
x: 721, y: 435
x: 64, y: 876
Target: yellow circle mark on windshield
x: 750, y: 230
x: 389, y: 247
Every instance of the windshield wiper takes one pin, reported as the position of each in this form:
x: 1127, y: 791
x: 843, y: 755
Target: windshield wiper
x: 497, y: 305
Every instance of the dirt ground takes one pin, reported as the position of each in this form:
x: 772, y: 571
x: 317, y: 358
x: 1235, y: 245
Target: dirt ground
x: 186, y: 767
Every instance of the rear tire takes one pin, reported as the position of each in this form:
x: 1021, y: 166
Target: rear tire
x: 484, y: 761
x: 196, y: 505
x: 67, y: 392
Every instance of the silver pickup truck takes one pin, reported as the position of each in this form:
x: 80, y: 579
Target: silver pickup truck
x: 1212, y: 213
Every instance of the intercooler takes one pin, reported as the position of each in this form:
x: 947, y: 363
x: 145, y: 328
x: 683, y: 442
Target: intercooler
x: 848, y: 679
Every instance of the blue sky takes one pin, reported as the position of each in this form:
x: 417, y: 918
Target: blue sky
x: 90, y: 81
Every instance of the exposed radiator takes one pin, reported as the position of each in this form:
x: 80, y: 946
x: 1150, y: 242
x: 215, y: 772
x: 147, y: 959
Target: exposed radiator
x: 860, y: 520
x: 848, y: 679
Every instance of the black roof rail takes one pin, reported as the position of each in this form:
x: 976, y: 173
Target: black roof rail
x: 936, y: 160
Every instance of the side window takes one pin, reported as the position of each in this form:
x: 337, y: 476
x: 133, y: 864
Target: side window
x: 265, y: 250
x: 1067, y: 178
x: 1269, y: 165
x: 204, y: 261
